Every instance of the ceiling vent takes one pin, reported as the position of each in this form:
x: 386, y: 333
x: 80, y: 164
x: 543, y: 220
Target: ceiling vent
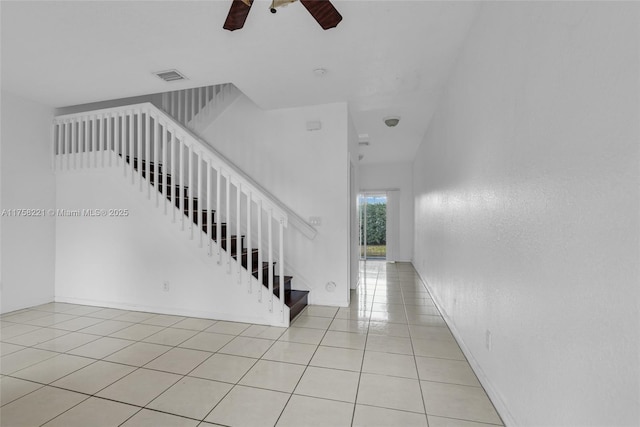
x: 170, y: 75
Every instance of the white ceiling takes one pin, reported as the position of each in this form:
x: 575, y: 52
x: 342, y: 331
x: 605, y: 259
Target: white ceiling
x: 385, y: 57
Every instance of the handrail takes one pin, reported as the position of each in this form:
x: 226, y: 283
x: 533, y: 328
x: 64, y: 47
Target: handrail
x: 288, y: 215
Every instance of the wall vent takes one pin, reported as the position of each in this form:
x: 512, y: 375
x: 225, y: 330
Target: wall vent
x: 170, y: 75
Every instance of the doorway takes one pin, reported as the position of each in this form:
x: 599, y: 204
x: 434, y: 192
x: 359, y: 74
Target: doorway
x: 372, y: 213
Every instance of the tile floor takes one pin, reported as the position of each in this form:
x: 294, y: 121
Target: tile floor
x: 387, y: 360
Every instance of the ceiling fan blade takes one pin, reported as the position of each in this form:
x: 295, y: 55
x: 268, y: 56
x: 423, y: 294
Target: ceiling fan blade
x: 323, y: 12
x: 237, y: 14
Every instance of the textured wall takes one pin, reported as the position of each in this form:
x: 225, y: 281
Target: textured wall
x: 527, y: 210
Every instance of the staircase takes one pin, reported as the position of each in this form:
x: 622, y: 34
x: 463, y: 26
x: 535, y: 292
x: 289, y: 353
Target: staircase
x: 238, y: 224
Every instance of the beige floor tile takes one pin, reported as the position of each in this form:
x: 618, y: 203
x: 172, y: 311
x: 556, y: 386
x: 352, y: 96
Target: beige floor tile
x: 171, y: 336
x: 101, y: 347
x: 229, y: 328
x: 377, y: 316
x: 137, y: 332
x: 312, y: 322
x: 389, y: 344
x: 389, y: 329
x: 83, y: 310
x: 148, y: 418
x: 163, y: 320
x: 223, y: 367
x: 329, y: 384
x: 290, y: 352
x: 22, y: 359
x: 191, y: 397
x: 372, y: 416
x: 248, y: 347
x: 426, y: 320
x: 107, y: 313
x: 134, y: 316
x: 207, y: 341
x: 446, y: 371
x: 355, y: 341
x: 52, y: 369
x: 178, y: 360
x: 68, y: 342
x: 422, y: 310
x: 430, y: 333
x: 276, y: 376
x: 312, y: 412
x: 106, y: 327
x: 445, y: 349
x: 262, y: 331
x: 397, y: 365
x: 303, y: 335
x: 458, y: 401
x: 95, y: 413
x: 94, y: 377
x: 388, y: 308
x: 452, y: 422
x: 50, y: 320
x: 357, y: 314
x: 17, y: 330
x: 193, y: 323
x: 49, y: 401
x: 36, y: 337
x: 14, y: 388
x: 138, y: 354
x: 355, y: 326
x: 139, y: 387
x: 337, y: 358
x: 24, y: 316
x: 77, y: 324
x: 321, y: 311
x: 249, y: 407
x: 390, y: 392
x: 6, y: 348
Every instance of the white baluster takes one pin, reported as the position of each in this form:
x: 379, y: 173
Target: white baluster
x: 200, y: 100
x: 228, y: 217
x: 123, y: 130
x: 165, y: 178
x: 238, y: 233
x: 281, y: 263
x: 174, y: 184
x: 110, y: 138
x: 199, y: 195
x: 74, y: 137
x: 68, y: 132
x: 181, y: 147
x: 248, y: 239
x: 156, y: 158
x: 218, y: 212
x: 132, y: 147
x: 116, y: 138
x: 190, y: 174
x: 270, y: 254
x: 60, y: 144
x: 193, y: 104
x: 209, y: 215
x: 260, y: 258
x: 81, y: 141
x: 94, y: 140
x: 147, y: 152
x: 165, y: 101
x: 139, y: 139
x: 102, y: 137
x: 179, y: 117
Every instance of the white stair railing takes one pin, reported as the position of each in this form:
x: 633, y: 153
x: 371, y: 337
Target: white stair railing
x: 160, y: 156
x: 191, y: 107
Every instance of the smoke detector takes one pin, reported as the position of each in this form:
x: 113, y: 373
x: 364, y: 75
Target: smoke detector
x: 392, y: 121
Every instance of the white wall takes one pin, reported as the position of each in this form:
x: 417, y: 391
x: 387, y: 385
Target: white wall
x: 27, y: 243
x: 527, y: 202
x: 308, y: 171
x: 385, y: 176
x: 124, y: 262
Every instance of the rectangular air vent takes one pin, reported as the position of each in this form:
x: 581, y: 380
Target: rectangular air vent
x: 170, y: 75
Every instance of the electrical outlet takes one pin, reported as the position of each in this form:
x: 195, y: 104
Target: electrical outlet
x: 165, y: 286
x: 487, y: 340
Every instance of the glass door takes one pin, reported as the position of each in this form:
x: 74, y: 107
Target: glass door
x: 372, y: 210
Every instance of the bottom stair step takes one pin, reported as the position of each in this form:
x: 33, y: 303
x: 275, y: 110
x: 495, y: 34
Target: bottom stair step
x: 296, y: 301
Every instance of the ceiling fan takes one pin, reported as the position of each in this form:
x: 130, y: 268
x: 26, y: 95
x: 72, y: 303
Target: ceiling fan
x: 322, y: 11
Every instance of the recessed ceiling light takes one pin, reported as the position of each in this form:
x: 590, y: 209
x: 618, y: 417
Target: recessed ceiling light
x: 392, y: 121
x: 320, y: 72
